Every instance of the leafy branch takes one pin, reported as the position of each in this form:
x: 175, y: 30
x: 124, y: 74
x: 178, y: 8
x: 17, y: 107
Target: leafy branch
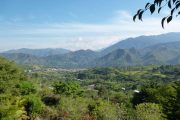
x: 173, y: 6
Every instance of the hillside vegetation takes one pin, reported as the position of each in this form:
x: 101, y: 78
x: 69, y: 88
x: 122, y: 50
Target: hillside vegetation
x: 129, y: 93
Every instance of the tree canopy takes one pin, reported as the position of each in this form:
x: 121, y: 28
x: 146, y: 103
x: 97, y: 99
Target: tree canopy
x: 158, y: 5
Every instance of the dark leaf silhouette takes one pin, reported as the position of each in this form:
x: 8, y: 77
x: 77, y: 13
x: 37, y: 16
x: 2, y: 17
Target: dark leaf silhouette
x: 159, y: 9
x: 147, y: 5
x: 152, y: 8
x: 139, y: 11
x: 162, y: 22
x: 169, y: 19
x: 140, y: 15
x: 177, y: 2
x: 177, y: 5
x: 134, y: 18
x: 172, y: 5
x: 169, y: 4
x: 172, y: 11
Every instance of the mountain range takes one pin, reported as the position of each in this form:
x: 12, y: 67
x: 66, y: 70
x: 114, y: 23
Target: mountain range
x: 40, y: 52
x: 144, y: 50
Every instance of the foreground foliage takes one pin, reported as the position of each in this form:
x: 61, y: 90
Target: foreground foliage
x: 131, y: 93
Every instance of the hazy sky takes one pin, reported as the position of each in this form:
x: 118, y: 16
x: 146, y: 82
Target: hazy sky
x: 74, y: 24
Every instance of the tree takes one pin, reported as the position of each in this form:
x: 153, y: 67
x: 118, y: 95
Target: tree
x: 10, y: 75
x: 67, y: 88
x: 16, y: 101
x: 102, y: 110
x: 164, y: 95
x: 172, y: 5
x: 177, y: 105
x: 149, y: 111
x: 26, y: 87
x: 33, y: 105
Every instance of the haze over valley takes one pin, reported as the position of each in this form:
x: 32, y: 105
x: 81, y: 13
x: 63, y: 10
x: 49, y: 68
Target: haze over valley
x: 143, y: 50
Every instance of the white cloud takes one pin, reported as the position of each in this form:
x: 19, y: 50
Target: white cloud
x: 121, y: 16
x: 91, y: 36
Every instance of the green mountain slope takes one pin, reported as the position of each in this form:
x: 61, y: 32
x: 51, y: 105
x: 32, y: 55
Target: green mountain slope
x: 162, y: 53
x: 40, y: 52
x: 120, y: 57
x: 142, y: 42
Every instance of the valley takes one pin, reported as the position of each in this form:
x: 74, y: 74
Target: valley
x: 89, y: 60
x: 117, y: 83
x: 144, y: 50
x: 111, y: 93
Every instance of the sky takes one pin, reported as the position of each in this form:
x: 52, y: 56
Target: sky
x: 75, y: 24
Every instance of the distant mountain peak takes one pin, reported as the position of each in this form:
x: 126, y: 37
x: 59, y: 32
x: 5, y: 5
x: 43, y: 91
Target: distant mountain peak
x: 143, y: 50
x: 40, y: 52
x: 142, y: 42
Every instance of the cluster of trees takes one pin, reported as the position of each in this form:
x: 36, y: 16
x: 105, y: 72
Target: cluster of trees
x: 18, y: 95
x: 166, y: 96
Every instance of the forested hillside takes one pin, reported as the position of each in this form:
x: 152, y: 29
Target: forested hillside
x: 40, y: 52
x: 144, y: 50
x: 129, y: 93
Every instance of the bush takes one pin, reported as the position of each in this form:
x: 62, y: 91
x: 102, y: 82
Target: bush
x: 51, y: 100
x: 26, y: 87
x: 33, y: 105
x: 67, y: 88
x: 149, y: 111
